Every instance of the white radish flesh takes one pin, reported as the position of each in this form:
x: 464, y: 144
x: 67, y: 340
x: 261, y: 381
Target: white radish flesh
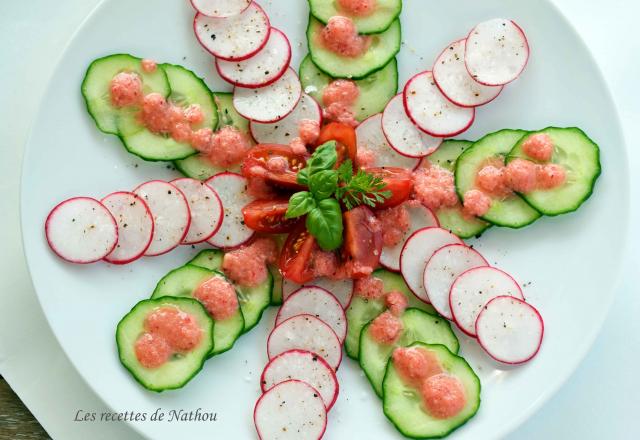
x: 171, y: 215
x: 419, y: 217
x: 317, y: 302
x: 283, y: 131
x: 270, y: 103
x: 402, y: 134
x: 306, y: 332
x: 510, y: 330
x: 220, y: 8
x: 446, y: 264
x: 205, y: 207
x: 371, y: 138
x: 263, y: 68
x: 473, y: 289
x: 233, y: 38
x: 416, y: 253
x: 81, y: 230
x: 305, y: 366
x: 232, y: 190
x: 431, y: 111
x: 291, y: 410
x: 341, y: 289
x: 451, y: 75
x: 496, y: 52
x: 135, y: 226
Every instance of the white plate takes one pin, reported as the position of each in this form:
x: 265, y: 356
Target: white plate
x: 571, y: 261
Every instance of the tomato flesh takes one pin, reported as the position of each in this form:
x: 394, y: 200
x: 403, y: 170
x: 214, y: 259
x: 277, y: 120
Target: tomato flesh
x: 362, y: 241
x: 296, y: 255
x: 398, y: 181
x: 257, y: 164
x: 345, y: 136
x: 269, y: 216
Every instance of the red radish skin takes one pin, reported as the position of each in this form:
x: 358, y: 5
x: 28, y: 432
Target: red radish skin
x: 526, y: 48
x: 286, y: 129
x: 232, y: 207
x: 321, y: 303
x: 465, y: 116
x: 215, y: 209
x: 316, y: 360
x: 275, y: 74
x: 49, y: 231
x: 414, y: 276
x: 438, y: 300
x: 477, y: 307
x: 220, y: 8
x: 111, y: 258
x: 484, y: 344
x: 161, y: 227
x: 287, y: 89
x: 200, y: 20
x: 288, y: 432
x: 306, y: 320
x: 476, y: 94
x: 403, y: 136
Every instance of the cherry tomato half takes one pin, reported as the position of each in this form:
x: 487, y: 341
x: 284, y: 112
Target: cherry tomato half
x: 345, y: 136
x: 268, y: 216
x: 296, y: 255
x: 398, y: 181
x: 258, y: 160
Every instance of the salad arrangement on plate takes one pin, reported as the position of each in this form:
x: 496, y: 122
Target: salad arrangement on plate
x: 331, y: 195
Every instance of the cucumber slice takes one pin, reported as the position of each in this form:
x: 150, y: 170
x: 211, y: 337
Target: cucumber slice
x: 579, y: 156
x: 375, y: 89
x: 180, y: 369
x: 383, y: 48
x: 97, y: 81
x: 386, y: 11
x: 182, y: 282
x: 198, y: 166
x: 452, y: 218
x: 253, y: 300
x: 362, y: 310
x: 418, y: 326
x: 186, y: 89
x: 403, y: 405
x: 276, y: 293
x: 512, y: 211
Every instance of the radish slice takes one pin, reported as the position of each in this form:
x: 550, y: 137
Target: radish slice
x: 446, y: 264
x: 402, y: 134
x: 283, y: 131
x: 220, y: 8
x: 371, y: 137
x: 419, y: 217
x: 234, y: 38
x: 453, y: 79
x: 431, y: 111
x: 497, y: 52
x: 305, y: 366
x: 205, y: 206
x: 171, y: 215
x: 291, y: 410
x: 510, y: 330
x: 270, y: 103
x: 263, y: 68
x: 135, y: 226
x: 81, y: 230
x: 306, y: 332
x: 416, y: 252
x: 473, y: 289
x: 341, y: 289
x: 232, y: 190
x: 317, y: 302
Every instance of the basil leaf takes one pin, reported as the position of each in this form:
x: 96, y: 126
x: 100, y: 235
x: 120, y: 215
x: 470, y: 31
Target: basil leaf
x: 324, y: 222
x: 299, y: 204
x: 324, y: 158
x: 323, y: 184
x: 303, y: 176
